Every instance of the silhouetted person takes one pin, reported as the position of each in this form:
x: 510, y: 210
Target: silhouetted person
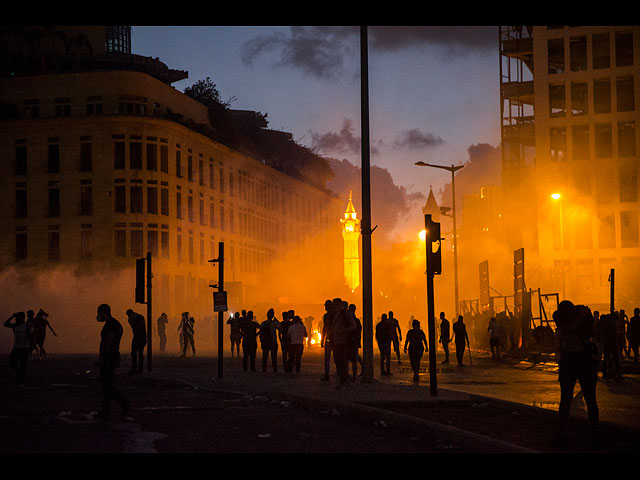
x: 162, y: 330
x: 287, y: 320
x: 396, y: 334
x: 108, y: 362
x: 235, y: 337
x: 297, y: 334
x: 633, y: 333
x: 308, y: 324
x: 343, y: 324
x: 187, y: 329
x: 249, y: 331
x: 22, y: 338
x: 40, y: 325
x: 416, y: 341
x: 445, y: 336
x: 621, y: 326
x: 355, y: 342
x: 326, y: 337
x: 576, y: 331
x: 610, y: 350
x: 461, y: 339
x: 138, y: 341
x: 30, y: 320
x: 269, y: 340
x: 383, y: 338
x: 494, y: 338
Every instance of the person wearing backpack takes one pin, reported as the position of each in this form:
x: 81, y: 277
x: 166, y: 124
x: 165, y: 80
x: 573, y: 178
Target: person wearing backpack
x: 269, y: 340
x: 383, y: 337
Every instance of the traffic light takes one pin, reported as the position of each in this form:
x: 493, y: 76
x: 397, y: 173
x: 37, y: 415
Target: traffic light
x: 433, y: 246
x: 140, y: 280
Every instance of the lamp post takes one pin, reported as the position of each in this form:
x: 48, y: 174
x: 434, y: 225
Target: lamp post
x: 453, y: 169
x: 558, y: 198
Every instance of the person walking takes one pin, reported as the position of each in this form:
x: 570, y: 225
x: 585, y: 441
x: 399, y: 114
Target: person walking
x: 40, y: 325
x: 383, y: 338
x: 577, y: 363
x: 326, y: 337
x: 249, y: 331
x: 396, y: 334
x: 416, y: 341
x: 343, y: 325
x: 633, y: 333
x: 461, y: 339
x: 308, y: 324
x: 269, y: 340
x: 22, y: 340
x: 494, y: 338
x: 162, y: 330
x: 108, y: 362
x: 297, y: 334
x: 287, y: 320
x: 235, y: 337
x: 138, y: 342
x: 610, y: 350
x: 355, y: 342
x: 187, y: 329
x: 445, y: 336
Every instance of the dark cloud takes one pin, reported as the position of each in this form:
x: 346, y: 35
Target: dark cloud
x: 415, y: 139
x: 344, y: 142
x: 320, y: 51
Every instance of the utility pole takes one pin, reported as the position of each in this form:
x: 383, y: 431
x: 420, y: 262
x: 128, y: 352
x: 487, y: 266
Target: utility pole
x: 434, y: 267
x: 365, y: 224
x: 220, y: 305
x: 140, y: 298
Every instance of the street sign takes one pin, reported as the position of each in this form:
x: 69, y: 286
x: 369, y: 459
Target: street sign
x: 220, y: 302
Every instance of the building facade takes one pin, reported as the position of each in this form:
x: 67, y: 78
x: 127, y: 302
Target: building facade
x: 570, y: 119
x: 101, y: 165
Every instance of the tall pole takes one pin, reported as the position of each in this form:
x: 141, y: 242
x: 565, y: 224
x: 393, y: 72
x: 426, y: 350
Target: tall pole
x: 365, y: 224
x: 149, y: 313
x: 431, y: 315
x: 455, y: 241
x: 220, y: 313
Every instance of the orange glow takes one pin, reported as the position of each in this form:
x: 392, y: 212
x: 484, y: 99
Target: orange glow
x: 555, y: 196
x: 423, y: 235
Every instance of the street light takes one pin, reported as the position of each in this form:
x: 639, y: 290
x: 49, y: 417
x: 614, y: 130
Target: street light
x: 558, y: 197
x: 453, y: 169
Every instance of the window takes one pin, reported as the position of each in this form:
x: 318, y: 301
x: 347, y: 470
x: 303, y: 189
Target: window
x: 211, y: 214
x: 603, y: 142
x: 21, y: 246
x: 580, y: 142
x: 201, y: 211
x: 164, y: 238
x: 164, y: 158
x: 54, y: 203
x: 164, y: 201
x: 54, y: 246
x: 558, y: 144
x: 578, y: 53
x: 583, y: 233
x: 118, y: 155
x: 179, y: 205
x: 136, y: 243
x: 628, y: 181
x: 152, y: 242
x: 86, y: 160
x: 625, y: 99
x: 600, y: 51
x: 627, y: 139
x: 21, y: 159
x: 179, y: 172
x: 118, y: 39
x: 62, y: 107
x: 582, y: 181
x: 152, y: 200
x: 86, y: 252
x: 190, y: 168
x: 21, y: 203
x: 179, y: 246
x: 31, y: 108
x: 86, y: 200
x: 152, y: 157
x: 221, y: 215
x: 557, y: 102
x: 120, y: 199
x: 190, y: 208
x: 212, y: 185
x: 624, y: 49
x: 629, y: 229
x: 579, y: 99
x: 606, y: 230
x: 53, y: 157
x: 121, y: 243
x: 555, y: 49
x: 602, y: 95
x: 94, y: 105
x: 191, y: 250
x: 135, y: 199
x: 135, y: 155
x: 201, y: 172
